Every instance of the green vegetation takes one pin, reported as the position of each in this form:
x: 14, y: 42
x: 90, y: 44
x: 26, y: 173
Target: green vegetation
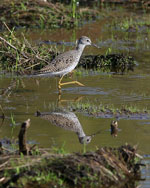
x: 111, y: 62
x: 20, y: 56
x: 28, y: 13
x: 55, y: 167
x: 134, y: 24
x: 110, y: 110
x: 60, y: 150
x: 37, y: 13
x: 57, y: 170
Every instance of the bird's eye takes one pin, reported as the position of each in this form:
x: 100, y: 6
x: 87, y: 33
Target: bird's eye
x: 87, y: 40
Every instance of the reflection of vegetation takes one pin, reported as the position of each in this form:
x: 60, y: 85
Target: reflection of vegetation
x: 13, y: 123
x: 3, y: 114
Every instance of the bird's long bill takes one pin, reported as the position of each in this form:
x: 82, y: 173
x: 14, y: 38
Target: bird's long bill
x: 95, y: 45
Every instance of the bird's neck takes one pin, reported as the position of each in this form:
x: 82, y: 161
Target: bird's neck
x: 80, y: 133
x: 80, y: 48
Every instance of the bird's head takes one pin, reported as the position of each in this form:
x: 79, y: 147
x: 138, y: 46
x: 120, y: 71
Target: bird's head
x: 85, y: 41
x: 85, y: 139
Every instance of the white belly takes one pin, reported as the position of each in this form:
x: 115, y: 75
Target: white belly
x: 65, y: 71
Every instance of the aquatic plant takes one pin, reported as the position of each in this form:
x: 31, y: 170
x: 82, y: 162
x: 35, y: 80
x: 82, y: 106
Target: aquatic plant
x: 13, y: 123
x: 100, y: 110
x: 74, y: 6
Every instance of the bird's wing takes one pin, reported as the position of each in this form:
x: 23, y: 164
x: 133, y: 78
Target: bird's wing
x: 60, y: 121
x: 61, y: 62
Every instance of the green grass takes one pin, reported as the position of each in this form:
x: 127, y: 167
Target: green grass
x: 13, y: 123
x: 18, y: 55
x: 132, y: 22
x: 43, y: 15
x: 97, y: 109
x: 59, y: 150
x: 38, y: 175
x: 77, y: 169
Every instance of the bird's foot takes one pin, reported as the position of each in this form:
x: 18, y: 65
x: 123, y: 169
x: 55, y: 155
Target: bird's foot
x: 80, y: 84
x: 72, y: 82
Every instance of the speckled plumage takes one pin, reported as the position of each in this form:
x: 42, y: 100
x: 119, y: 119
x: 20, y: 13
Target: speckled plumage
x: 68, y: 121
x: 61, y: 65
x: 67, y: 61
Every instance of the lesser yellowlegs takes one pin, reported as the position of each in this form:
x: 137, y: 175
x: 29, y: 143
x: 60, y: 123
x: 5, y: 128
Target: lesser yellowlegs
x: 66, y: 62
x: 67, y: 120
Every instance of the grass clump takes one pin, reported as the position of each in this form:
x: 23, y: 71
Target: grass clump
x: 139, y: 24
x: 124, y: 111
x: 111, y: 62
x: 18, y: 55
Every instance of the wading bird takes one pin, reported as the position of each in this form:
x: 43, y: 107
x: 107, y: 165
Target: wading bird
x: 66, y: 63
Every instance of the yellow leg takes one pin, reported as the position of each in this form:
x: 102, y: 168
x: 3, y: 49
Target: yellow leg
x: 66, y: 83
x: 71, y: 74
x: 72, y: 82
x: 60, y: 101
x: 59, y: 83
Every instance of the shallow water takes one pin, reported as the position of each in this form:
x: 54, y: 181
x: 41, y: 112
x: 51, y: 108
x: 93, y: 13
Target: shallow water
x: 131, y: 88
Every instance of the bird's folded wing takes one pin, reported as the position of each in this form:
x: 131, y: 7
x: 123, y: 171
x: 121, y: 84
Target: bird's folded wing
x: 60, y: 63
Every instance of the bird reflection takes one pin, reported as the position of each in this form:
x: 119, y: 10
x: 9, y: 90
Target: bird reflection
x: 60, y: 100
x: 69, y: 121
x: 2, y: 116
x: 114, y: 128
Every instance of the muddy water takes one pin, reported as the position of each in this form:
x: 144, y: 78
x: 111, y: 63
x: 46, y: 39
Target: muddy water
x: 132, y: 88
